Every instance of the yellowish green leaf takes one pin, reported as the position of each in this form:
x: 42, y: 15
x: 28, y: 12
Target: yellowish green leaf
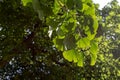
x: 26, y: 1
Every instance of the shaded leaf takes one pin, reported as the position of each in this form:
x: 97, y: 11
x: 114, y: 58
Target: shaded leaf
x: 69, y: 42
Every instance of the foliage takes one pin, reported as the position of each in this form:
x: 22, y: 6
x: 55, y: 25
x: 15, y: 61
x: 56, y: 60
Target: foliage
x: 109, y: 21
x: 27, y: 51
x: 75, y: 25
x: 15, y: 37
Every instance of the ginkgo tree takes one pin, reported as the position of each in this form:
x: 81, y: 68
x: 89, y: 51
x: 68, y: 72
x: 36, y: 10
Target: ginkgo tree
x: 74, y: 24
x: 34, y: 37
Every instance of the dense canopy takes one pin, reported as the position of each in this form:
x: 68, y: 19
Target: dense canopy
x: 59, y: 40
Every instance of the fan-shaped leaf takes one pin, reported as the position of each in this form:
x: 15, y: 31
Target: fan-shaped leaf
x: 83, y: 43
x: 26, y: 1
x: 80, y: 58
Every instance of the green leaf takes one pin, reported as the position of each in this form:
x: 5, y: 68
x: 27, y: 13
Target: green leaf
x: 69, y: 42
x: 93, y: 59
x: 36, y: 5
x: 57, y: 6
x: 58, y: 43
x: 60, y: 33
x: 73, y: 55
x: 90, y: 36
x: 39, y: 8
x: 93, y: 51
x: 70, y: 55
x: 85, y: 7
x: 101, y: 56
x: 40, y: 14
x: 90, y: 11
x: 94, y: 47
x: 26, y: 1
x: 79, y: 4
x: 80, y: 57
x: 53, y: 22
x: 83, y: 43
x: 70, y: 4
x: 95, y: 24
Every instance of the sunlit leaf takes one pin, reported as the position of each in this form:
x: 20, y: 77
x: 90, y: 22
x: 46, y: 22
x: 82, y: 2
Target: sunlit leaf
x: 57, y: 6
x: 73, y: 55
x: 93, y: 59
x: 70, y: 55
x: 26, y: 1
x: 80, y: 57
x: 93, y: 50
x: 58, y: 43
x: 95, y: 24
x: 83, y: 43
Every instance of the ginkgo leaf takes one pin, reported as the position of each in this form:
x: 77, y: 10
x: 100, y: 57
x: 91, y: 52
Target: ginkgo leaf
x: 80, y: 58
x: 95, y: 23
x: 60, y: 33
x: 26, y: 1
x: 69, y: 42
x: 94, y: 47
x: 64, y: 22
x: 57, y: 6
x: 58, y: 43
x: 83, y: 43
x: 93, y: 59
x: 93, y: 51
x: 73, y: 55
x: 70, y: 55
